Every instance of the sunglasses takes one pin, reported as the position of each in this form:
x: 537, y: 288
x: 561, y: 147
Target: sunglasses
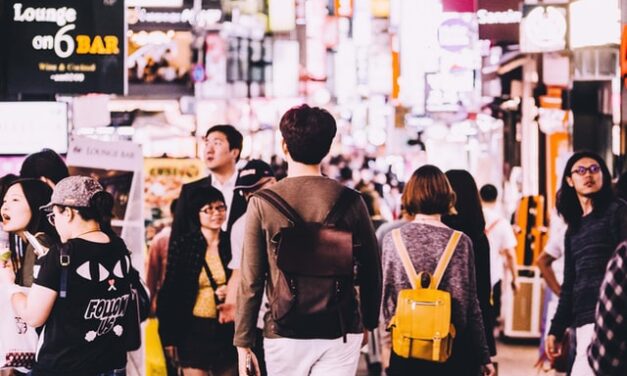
x: 592, y: 169
x: 211, y: 209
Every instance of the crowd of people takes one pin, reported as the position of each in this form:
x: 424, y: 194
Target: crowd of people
x: 267, y: 270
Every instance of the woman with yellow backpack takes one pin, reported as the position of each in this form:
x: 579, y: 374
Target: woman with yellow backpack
x: 429, y: 288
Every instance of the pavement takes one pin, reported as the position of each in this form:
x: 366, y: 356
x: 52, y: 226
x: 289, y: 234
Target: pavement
x: 515, y: 358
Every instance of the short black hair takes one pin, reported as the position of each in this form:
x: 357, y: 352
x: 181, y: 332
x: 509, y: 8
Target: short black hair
x: 45, y: 163
x: 200, y: 198
x: 488, y: 193
x: 308, y: 133
x: 233, y: 136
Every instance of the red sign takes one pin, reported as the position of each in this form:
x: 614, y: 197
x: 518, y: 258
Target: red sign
x: 460, y: 6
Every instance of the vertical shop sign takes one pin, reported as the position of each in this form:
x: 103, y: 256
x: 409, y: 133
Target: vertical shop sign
x: 66, y: 46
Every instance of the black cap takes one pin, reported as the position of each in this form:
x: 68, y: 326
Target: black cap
x: 253, y: 173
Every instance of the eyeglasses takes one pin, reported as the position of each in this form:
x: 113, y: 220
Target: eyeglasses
x: 50, y: 217
x: 592, y: 169
x: 211, y: 209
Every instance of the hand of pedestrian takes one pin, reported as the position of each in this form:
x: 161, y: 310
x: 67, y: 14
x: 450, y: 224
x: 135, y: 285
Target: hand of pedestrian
x: 515, y: 286
x: 552, y: 347
x: 247, y: 362
x: 364, y: 340
x: 488, y: 370
x: 171, y: 354
x: 221, y: 293
x: 227, y: 313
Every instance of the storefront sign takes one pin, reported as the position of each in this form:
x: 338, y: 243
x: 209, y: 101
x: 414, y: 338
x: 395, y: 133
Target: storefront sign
x: 175, y: 19
x: 499, y: 20
x: 71, y: 46
x: 594, y: 23
x: 27, y: 127
x: 543, y: 28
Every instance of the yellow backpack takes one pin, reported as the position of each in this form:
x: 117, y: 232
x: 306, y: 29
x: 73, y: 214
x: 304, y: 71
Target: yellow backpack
x: 421, y: 327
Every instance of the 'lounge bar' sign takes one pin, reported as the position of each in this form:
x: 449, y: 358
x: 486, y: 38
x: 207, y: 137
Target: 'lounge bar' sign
x: 65, y: 46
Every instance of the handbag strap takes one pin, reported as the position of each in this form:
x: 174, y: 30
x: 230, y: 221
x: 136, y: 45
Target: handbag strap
x: 445, y: 259
x: 404, y: 255
x: 64, y: 260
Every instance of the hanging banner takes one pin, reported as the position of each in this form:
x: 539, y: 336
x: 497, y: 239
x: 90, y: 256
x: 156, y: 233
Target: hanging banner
x: 66, y: 46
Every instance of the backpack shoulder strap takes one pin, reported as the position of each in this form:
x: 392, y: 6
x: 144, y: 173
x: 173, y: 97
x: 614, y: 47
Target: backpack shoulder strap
x: 340, y: 207
x: 404, y: 255
x: 446, y: 258
x: 64, y: 260
x: 280, y: 204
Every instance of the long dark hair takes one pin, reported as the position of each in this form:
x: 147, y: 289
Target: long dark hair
x: 37, y: 194
x: 469, y: 218
x: 567, y: 202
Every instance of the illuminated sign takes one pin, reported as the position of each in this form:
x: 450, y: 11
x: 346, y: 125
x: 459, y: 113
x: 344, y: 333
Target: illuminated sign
x: 510, y: 16
x: 72, y: 47
x: 27, y: 127
x: 594, y: 23
x: 543, y: 28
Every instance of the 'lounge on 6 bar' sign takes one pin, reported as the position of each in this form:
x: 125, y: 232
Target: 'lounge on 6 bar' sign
x: 65, y: 46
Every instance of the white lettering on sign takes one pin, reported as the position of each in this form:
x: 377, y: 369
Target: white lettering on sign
x: 510, y: 16
x: 205, y: 17
x: 60, y: 16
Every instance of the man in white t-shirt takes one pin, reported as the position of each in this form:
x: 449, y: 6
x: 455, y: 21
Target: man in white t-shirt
x: 502, y: 245
x: 256, y: 175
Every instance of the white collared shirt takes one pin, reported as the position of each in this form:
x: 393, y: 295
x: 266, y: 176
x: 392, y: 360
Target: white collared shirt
x: 227, y: 191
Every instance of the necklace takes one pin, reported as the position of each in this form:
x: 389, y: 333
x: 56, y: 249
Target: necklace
x: 87, y: 232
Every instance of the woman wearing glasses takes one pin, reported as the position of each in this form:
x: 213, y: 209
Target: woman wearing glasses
x: 195, y: 285
x: 597, y: 223
x: 20, y: 215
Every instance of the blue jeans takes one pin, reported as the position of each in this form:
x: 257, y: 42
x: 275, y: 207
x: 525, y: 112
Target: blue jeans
x: 114, y: 372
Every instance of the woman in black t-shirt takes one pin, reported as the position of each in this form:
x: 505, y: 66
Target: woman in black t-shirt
x: 83, y: 332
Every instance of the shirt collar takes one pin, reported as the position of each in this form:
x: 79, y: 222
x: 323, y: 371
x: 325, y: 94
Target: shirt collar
x: 228, y: 184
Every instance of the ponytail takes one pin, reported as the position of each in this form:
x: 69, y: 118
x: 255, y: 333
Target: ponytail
x: 101, y: 210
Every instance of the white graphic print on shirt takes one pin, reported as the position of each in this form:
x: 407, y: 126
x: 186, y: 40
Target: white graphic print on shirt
x: 108, y: 311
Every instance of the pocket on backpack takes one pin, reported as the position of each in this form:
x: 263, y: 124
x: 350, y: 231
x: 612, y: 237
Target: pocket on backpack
x: 284, y: 299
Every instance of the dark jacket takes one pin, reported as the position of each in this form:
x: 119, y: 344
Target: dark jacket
x: 180, y: 288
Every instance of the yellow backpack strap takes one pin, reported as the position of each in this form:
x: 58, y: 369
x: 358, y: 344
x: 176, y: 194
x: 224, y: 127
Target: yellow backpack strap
x: 404, y: 255
x: 446, y: 258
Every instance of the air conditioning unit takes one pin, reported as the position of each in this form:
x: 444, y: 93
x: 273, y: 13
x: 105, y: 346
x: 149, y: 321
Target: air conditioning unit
x: 596, y: 64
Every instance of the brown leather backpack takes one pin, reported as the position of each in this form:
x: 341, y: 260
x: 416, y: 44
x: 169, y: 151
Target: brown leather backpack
x: 315, y: 291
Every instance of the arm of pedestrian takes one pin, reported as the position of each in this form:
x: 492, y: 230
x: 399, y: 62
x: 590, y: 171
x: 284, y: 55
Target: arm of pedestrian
x: 35, y: 307
x: 544, y: 263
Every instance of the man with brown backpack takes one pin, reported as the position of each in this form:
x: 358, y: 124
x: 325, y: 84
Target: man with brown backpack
x: 311, y: 242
